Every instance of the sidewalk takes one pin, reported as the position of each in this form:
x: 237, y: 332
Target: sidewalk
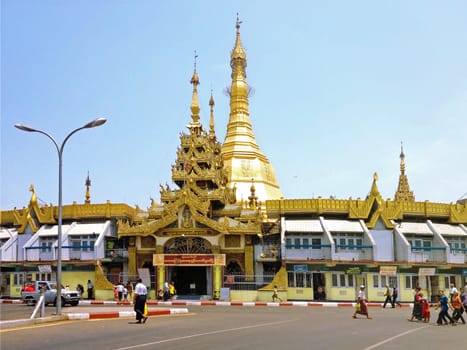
x: 87, y: 311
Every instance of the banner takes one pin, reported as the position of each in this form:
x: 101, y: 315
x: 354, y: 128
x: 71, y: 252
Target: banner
x: 426, y: 271
x: 388, y: 270
x: 189, y: 259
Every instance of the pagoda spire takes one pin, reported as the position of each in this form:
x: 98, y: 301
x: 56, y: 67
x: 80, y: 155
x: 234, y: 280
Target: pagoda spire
x: 403, y: 192
x: 242, y: 155
x: 194, y: 100
x: 87, y: 197
x: 212, y: 132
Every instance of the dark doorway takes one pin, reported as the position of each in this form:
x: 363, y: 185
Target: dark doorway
x: 319, y: 286
x: 190, y: 280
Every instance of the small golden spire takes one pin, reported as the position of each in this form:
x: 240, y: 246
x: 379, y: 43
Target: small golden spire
x: 374, y: 187
x: 87, y: 199
x: 194, y: 100
x: 33, y: 196
x: 212, y: 132
x: 253, y: 199
x: 403, y: 192
x: 402, y: 157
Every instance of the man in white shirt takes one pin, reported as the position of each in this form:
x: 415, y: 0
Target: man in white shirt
x: 140, y: 301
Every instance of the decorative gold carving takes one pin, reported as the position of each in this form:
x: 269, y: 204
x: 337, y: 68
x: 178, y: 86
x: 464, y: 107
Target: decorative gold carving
x: 148, y: 242
x: 232, y: 241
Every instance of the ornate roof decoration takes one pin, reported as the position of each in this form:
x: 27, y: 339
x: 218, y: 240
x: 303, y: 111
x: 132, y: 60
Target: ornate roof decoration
x: 35, y: 215
x: 372, y: 208
x: 403, y: 192
x: 202, y: 193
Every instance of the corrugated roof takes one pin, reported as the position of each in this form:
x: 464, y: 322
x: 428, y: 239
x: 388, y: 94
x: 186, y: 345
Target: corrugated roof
x: 449, y: 230
x: 303, y: 226
x: 86, y: 229
x: 343, y: 226
x: 415, y: 228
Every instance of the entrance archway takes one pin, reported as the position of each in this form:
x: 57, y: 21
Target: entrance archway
x: 189, y: 280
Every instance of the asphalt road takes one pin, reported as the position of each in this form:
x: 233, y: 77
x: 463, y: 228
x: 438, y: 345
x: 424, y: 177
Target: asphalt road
x: 235, y: 328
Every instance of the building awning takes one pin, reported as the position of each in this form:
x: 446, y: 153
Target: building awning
x: 343, y: 226
x: 303, y: 226
x: 415, y: 228
x: 450, y: 230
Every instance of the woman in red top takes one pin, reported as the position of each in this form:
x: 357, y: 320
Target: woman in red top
x: 456, y: 304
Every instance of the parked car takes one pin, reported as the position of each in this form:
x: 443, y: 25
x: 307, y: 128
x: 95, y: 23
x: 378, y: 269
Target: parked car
x: 31, y: 293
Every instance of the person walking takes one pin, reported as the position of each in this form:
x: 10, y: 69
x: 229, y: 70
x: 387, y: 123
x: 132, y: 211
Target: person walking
x: 140, y: 293
x: 120, y: 289
x: 426, y: 314
x: 275, y: 294
x: 443, y: 314
x: 387, y: 294
x: 458, y: 308
x: 452, y: 290
x: 172, y: 290
x: 129, y: 288
x: 361, y: 306
x: 417, y: 305
x: 90, y: 289
x: 395, y: 294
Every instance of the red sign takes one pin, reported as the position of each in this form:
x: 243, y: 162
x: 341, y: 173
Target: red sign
x: 189, y: 259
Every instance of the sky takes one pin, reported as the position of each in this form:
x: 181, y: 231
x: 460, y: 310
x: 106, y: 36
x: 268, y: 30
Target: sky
x: 338, y: 86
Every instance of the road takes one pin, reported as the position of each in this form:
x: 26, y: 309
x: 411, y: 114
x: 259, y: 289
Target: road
x: 235, y: 328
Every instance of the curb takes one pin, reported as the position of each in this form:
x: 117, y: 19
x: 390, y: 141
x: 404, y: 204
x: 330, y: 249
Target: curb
x: 117, y: 314
x: 219, y: 303
x: 235, y: 303
x: 87, y: 316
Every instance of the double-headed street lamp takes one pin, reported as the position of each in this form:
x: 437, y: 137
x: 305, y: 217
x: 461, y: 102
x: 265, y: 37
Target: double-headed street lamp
x: 92, y: 124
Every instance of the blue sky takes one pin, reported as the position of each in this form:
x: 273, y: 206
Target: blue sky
x: 338, y: 85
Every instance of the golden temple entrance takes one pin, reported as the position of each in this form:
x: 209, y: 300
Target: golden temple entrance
x: 191, y: 281
x: 190, y: 264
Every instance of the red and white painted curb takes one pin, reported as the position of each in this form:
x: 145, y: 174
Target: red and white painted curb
x: 218, y: 303
x: 117, y: 314
x: 235, y: 303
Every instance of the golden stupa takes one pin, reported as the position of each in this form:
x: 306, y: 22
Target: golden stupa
x: 243, y: 159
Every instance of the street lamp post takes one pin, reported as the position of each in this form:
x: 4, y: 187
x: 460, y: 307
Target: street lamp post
x: 92, y: 124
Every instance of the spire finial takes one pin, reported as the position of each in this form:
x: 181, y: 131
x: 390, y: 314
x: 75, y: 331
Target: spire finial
x: 237, y: 25
x: 212, y: 133
x: 194, y: 100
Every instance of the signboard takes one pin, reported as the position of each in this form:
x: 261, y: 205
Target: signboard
x: 44, y: 268
x: 353, y: 270
x: 145, y: 276
x: 300, y: 268
x: 225, y: 294
x: 464, y: 272
x: 426, y: 271
x: 189, y: 259
x: 388, y: 270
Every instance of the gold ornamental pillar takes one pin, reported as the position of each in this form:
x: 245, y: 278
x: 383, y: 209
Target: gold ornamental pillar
x: 132, y: 271
x: 249, y: 258
x: 216, y: 293
x: 160, y: 277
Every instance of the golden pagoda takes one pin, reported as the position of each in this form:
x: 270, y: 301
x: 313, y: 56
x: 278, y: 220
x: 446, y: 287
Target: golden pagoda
x: 243, y: 158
